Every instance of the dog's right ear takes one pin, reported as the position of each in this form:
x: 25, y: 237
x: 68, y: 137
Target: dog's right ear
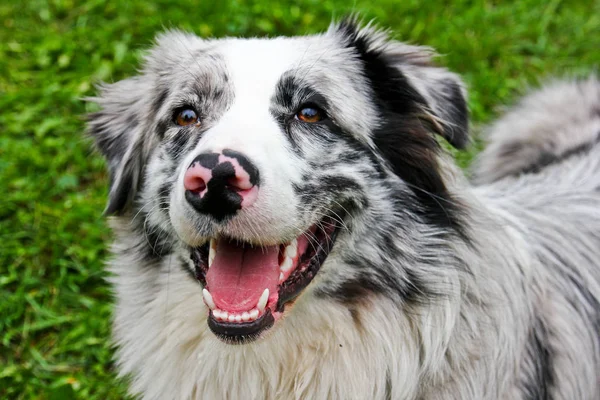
x: 118, y: 131
x: 406, y: 81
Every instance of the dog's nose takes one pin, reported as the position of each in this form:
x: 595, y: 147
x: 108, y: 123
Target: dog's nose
x: 220, y: 184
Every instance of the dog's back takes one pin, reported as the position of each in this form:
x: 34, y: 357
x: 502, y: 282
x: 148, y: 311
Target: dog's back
x: 542, y: 167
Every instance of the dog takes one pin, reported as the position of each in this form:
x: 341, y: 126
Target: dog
x: 290, y: 225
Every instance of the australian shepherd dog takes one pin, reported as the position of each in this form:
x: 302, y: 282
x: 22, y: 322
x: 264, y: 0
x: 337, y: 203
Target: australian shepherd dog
x: 289, y: 225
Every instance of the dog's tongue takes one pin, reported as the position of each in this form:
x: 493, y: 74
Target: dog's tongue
x: 239, y: 275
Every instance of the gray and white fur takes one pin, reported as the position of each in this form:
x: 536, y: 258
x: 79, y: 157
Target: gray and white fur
x: 435, y: 288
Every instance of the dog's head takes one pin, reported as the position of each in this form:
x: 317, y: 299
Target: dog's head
x: 252, y: 156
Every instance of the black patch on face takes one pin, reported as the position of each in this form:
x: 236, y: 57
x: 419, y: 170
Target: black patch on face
x: 207, y: 160
x: 538, y: 383
x: 403, y: 138
x: 291, y: 93
x: 246, y: 164
x: 317, y: 189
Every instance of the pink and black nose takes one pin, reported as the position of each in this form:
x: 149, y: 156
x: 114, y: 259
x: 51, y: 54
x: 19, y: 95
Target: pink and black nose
x: 220, y: 184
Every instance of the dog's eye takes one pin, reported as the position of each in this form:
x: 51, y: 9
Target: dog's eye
x: 310, y: 114
x: 186, y: 117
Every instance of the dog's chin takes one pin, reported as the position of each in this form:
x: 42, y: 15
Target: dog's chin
x: 248, y: 286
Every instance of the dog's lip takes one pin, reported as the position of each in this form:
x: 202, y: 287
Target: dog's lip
x: 307, y: 268
x: 240, y: 332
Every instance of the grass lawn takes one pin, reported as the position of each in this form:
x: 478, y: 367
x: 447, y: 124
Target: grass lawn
x: 55, y: 307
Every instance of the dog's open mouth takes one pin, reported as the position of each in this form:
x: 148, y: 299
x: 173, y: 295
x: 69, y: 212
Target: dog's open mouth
x: 247, y: 287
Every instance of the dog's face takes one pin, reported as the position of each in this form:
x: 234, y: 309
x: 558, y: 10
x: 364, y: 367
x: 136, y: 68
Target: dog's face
x: 265, y: 161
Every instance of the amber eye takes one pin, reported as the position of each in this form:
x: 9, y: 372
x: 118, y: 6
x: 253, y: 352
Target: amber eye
x: 186, y: 117
x: 310, y: 114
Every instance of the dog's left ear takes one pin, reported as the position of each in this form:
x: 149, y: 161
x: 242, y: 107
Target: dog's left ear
x: 118, y: 130
x: 406, y: 81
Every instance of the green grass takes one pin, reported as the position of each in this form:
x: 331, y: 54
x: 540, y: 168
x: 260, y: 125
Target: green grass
x: 55, y: 307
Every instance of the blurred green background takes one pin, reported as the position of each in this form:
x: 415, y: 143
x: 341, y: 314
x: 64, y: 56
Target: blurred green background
x: 54, y: 304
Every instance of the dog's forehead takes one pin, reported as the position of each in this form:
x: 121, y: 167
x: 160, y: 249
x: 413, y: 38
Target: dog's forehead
x: 256, y: 65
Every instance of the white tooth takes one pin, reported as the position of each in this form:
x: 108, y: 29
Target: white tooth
x: 262, y: 302
x: 208, y: 299
x: 291, y: 250
x: 280, y: 277
x: 238, y: 318
x: 211, y: 256
x: 216, y: 313
x: 213, y: 244
x: 254, y: 314
x: 224, y: 315
x: 245, y: 316
x: 294, y: 243
x: 231, y: 318
x: 287, y: 264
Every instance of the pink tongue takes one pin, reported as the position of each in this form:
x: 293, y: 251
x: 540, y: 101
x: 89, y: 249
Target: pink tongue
x: 239, y: 275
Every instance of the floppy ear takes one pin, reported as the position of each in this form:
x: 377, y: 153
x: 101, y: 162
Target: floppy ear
x: 406, y: 81
x: 415, y: 100
x: 118, y: 131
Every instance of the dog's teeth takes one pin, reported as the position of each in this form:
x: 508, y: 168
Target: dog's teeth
x: 291, y: 249
x: 245, y: 316
x: 287, y: 264
x: 262, y: 302
x: 231, y: 318
x: 208, y: 299
x: 224, y: 315
x: 254, y: 314
x: 212, y: 251
x: 238, y: 318
x: 281, y: 277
